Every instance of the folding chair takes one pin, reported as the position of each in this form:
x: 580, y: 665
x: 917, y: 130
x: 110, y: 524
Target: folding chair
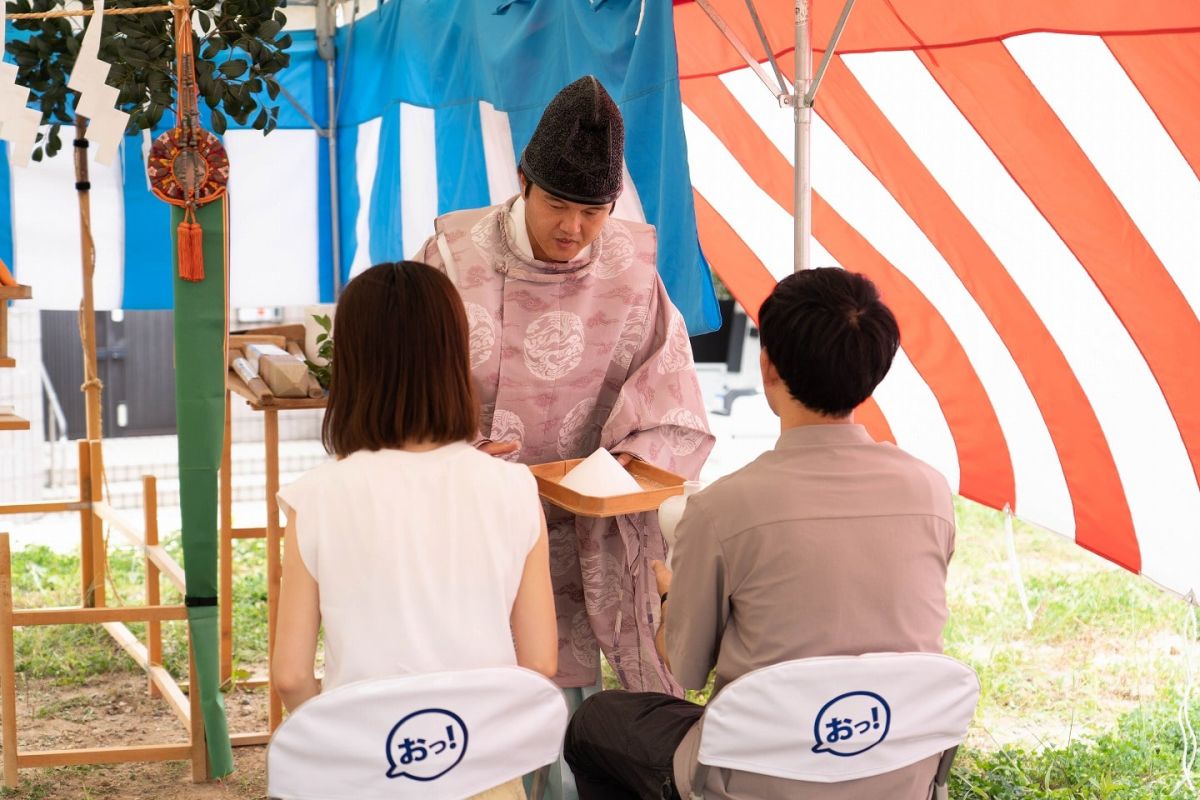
x: 438, y: 736
x: 827, y: 720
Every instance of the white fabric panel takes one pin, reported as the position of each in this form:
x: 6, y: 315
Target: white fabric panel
x: 47, y: 237
x: 434, y: 735
x: 916, y: 419
x: 629, y: 205
x: 498, y: 153
x: 1121, y: 135
x: 1145, y: 443
x: 273, y: 237
x: 840, y: 718
x: 851, y: 189
x: 366, y: 159
x: 418, y: 175
x: 764, y: 225
x: 147, y: 140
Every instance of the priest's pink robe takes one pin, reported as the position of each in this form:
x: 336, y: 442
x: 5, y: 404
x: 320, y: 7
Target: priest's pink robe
x: 570, y: 357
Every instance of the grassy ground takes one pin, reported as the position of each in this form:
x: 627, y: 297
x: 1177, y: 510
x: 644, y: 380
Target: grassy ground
x: 71, y: 654
x: 1082, y: 703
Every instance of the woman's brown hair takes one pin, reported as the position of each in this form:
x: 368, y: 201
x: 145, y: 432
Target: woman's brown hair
x: 401, y: 362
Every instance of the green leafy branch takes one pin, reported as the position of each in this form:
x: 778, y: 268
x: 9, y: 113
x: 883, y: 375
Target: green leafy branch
x: 240, y: 50
x: 322, y: 372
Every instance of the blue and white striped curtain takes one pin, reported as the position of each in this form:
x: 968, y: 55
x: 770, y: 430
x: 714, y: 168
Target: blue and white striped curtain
x: 437, y: 101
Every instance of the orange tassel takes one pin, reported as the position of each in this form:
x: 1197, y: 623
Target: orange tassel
x: 191, y: 251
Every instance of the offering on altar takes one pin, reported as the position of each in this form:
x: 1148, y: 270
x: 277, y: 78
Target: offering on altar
x: 646, y: 490
x: 284, y: 373
x: 600, y: 475
x: 268, y: 368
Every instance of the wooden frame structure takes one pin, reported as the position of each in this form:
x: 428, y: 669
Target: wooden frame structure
x: 94, y: 514
x: 272, y: 532
x: 10, y: 421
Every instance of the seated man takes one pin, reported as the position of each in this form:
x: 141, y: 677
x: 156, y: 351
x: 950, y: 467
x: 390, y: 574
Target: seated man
x: 830, y: 544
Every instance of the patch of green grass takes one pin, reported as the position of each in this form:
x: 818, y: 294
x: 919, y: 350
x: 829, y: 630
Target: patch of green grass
x: 1139, y: 760
x: 1102, y: 640
x: 70, y: 654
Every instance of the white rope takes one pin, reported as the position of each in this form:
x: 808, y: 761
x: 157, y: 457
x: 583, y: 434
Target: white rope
x: 1014, y: 566
x: 641, y: 17
x: 1190, y: 741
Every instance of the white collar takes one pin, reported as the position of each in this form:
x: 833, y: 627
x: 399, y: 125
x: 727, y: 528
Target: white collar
x: 520, y: 233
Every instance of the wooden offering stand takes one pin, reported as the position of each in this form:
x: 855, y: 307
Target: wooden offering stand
x: 258, y: 397
x: 657, y: 485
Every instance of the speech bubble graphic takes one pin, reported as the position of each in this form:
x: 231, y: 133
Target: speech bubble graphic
x: 426, y: 744
x: 851, y: 724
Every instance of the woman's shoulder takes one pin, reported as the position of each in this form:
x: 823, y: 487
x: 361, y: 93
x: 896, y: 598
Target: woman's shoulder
x: 312, y: 481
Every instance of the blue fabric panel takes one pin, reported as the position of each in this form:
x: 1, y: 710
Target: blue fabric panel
x: 148, y: 283
x: 6, y: 209
x: 656, y: 152
x: 385, y: 218
x: 349, y: 200
x: 461, y: 168
x: 447, y: 54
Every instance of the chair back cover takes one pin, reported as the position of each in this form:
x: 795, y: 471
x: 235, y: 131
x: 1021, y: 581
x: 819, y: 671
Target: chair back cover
x: 437, y: 736
x: 840, y: 718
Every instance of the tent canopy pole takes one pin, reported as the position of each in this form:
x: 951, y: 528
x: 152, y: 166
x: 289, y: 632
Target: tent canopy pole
x: 800, y: 98
x: 327, y: 50
x: 830, y: 49
x: 780, y: 92
x: 802, y: 113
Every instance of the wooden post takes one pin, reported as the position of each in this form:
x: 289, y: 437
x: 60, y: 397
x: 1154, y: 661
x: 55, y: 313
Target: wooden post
x: 3, y: 328
x: 225, y: 588
x: 274, y: 565
x: 99, y: 551
x: 87, y: 311
x: 86, y: 519
x: 8, y: 679
x: 153, y: 628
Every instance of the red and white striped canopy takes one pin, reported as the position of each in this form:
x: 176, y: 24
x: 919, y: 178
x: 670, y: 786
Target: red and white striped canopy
x: 1022, y: 180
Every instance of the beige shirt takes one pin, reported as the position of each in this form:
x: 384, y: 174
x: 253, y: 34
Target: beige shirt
x: 830, y: 544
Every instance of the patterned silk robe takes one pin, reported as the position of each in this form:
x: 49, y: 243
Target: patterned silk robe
x: 571, y: 357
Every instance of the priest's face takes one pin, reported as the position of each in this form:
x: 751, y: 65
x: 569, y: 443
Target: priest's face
x: 559, y: 229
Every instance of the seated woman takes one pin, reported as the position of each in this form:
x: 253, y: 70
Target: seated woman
x: 416, y: 552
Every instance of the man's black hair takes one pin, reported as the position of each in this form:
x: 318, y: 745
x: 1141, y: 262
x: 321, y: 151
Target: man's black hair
x: 830, y: 336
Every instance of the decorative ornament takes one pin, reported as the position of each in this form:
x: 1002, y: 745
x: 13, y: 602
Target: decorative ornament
x: 188, y: 166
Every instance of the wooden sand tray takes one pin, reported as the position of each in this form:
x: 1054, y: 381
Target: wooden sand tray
x: 657, y: 485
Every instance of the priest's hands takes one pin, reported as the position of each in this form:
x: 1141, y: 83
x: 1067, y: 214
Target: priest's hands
x: 498, y: 448
x: 662, y: 576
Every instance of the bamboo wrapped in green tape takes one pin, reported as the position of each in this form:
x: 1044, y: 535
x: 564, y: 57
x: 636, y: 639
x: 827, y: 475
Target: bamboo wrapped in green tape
x: 200, y: 328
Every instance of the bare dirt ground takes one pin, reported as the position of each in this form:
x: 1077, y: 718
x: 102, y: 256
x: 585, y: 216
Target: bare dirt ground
x: 115, y: 709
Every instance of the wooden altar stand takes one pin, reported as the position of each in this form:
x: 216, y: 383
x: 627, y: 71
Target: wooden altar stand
x: 273, y: 532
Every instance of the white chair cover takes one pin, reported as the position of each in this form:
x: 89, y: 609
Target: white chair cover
x: 840, y: 718
x: 439, y: 736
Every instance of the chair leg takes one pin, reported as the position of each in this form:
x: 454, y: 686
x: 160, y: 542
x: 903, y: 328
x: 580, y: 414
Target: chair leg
x: 537, y: 787
x: 941, y: 789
